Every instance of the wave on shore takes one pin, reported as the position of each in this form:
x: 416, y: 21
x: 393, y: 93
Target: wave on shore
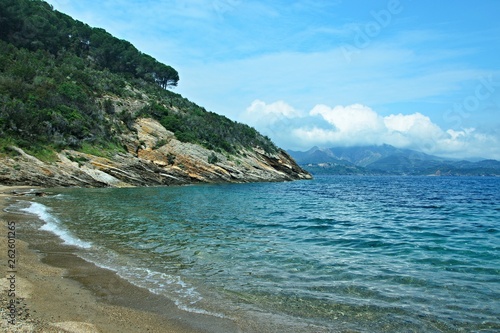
x: 183, y: 295
x: 51, y: 223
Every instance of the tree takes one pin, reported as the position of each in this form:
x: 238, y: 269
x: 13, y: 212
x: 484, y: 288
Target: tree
x: 166, y: 76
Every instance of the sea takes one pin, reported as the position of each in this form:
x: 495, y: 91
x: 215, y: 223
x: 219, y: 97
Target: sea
x: 332, y: 254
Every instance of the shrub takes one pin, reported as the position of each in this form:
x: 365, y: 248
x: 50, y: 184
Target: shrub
x: 212, y: 159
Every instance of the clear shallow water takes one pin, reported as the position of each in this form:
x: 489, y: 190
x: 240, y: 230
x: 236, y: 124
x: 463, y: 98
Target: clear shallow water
x: 356, y: 254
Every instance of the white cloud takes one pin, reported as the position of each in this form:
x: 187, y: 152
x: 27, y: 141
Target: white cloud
x: 259, y: 111
x: 407, y: 123
x: 274, y: 119
x: 357, y: 125
x: 350, y: 119
x: 412, y: 131
x: 360, y: 125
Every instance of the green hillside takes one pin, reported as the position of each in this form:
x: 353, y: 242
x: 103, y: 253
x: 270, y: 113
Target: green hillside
x: 64, y: 84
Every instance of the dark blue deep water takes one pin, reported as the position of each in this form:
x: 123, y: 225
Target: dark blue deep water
x: 335, y: 254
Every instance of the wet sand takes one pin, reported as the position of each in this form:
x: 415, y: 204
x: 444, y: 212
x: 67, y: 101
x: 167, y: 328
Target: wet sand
x: 56, y: 291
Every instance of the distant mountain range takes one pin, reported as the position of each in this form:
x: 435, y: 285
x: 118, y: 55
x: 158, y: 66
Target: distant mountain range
x: 388, y: 160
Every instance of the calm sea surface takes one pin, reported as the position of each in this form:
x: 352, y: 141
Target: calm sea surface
x: 335, y: 254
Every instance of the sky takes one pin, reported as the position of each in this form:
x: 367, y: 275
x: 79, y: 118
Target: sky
x: 422, y: 75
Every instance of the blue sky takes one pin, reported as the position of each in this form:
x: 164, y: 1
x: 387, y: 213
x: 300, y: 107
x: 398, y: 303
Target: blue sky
x: 416, y: 74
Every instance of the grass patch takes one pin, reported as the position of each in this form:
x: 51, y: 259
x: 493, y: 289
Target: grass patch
x: 5, y: 144
x: 44, y: 154
x: 77, y: 159
x: 160, y: 143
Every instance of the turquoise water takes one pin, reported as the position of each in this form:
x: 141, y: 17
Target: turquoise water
x: 335, y: 254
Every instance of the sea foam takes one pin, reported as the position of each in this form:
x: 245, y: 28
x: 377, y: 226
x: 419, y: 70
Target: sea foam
x: 52, y: 224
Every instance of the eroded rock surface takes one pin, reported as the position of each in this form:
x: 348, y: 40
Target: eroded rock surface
x: 154, y: 157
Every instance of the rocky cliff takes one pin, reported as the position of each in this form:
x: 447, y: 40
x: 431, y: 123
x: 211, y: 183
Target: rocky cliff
x: 155, y: 157
x: 80, y: 107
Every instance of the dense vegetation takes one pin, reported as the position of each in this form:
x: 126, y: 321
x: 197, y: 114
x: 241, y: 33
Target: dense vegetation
x: 60, y: 80
x: 34, y: 25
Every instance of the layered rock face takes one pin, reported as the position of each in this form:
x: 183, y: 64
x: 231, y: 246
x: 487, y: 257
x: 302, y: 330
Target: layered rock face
x: 154, y: 158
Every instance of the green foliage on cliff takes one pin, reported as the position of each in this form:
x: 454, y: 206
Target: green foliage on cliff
x: 34, y: 25
x: 60, y: 81
x: 194, y: 124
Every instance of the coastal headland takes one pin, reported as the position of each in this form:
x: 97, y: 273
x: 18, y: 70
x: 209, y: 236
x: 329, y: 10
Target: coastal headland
x: 82, y: 108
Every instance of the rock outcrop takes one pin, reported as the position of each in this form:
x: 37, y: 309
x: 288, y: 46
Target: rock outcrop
x: 155, y: 157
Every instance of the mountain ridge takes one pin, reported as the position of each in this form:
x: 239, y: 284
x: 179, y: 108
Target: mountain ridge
x: 388, y: 160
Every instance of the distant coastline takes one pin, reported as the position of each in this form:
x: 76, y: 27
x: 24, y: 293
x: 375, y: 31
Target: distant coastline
x: 388, y: 160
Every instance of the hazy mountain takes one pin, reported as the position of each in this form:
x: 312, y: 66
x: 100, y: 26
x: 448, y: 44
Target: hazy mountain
x: 387, y: 159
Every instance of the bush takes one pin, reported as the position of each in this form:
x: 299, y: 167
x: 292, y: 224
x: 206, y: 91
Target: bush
x: 212, y: 159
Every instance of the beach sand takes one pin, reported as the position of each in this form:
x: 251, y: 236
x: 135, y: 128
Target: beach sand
x: 56, y: 291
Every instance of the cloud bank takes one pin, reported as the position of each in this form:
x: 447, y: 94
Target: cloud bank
x: 358, y: 125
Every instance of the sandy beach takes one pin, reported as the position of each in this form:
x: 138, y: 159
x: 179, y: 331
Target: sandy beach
x: 52, y: 290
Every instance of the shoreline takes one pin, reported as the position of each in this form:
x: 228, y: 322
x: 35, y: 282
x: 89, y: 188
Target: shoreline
x: 57, y: 291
